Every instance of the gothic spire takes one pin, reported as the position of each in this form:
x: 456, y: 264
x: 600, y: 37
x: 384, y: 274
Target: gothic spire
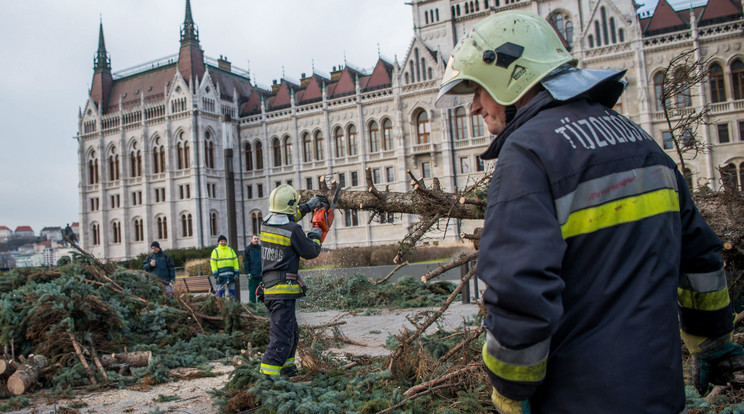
x: 189, y: 32
x: 101, y: 62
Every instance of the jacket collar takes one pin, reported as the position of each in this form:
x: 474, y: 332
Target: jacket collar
x: 542, y: 100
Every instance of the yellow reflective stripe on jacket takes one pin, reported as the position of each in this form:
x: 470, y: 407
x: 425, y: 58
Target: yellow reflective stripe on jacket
x: 620, y: 211
x: 523, y: 365
x: 705, y: 301
x: 270, y: 369
x: 283, y: 289
x: 275, y: 238
x: 290, y: 362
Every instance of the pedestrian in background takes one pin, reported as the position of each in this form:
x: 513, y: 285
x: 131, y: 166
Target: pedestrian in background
x: 252, y: 264
x: 225, y: 267
x: 161, y: 265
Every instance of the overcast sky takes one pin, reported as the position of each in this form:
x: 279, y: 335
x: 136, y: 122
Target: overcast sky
x: 47, y: 49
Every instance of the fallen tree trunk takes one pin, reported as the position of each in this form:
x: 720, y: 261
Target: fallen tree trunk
x: 27, y: 374
x: 7, y: 367
x: 131, y: 359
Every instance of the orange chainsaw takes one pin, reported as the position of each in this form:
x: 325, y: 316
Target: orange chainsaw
x: 323, y: 216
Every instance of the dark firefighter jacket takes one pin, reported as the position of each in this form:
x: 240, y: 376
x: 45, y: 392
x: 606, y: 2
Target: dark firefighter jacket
x: 282, y: 245
x: 590, y: 232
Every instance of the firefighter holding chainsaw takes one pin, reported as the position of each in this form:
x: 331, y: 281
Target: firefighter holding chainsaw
x: 592, y: 248
x: 283, y: 243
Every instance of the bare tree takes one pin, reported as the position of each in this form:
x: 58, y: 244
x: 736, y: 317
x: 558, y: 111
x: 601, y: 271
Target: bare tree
x: 684, y: 74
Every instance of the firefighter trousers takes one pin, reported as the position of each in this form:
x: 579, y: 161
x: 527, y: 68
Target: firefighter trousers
x: 284, y: 334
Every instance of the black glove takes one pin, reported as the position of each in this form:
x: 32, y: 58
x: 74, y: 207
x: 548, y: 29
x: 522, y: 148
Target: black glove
x: 313, y: 203
x: 716, y: 362
x: 315, y: 233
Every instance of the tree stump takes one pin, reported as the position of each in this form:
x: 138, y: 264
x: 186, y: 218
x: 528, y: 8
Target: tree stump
x: 27, y: 374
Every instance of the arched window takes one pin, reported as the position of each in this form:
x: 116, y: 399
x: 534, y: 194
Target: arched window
x: 259, y: 155
x: 597, y: 33
x: 248, y: 156
x: 162, y: 224
x: 287, y: 150
x: 590, y: 38
x: 422, y: 128
x: 684, y: 97
x: 461, y: 130
x: 276, y: 149
x: 319, y: 145
x: 658, y: 88
x: 186, y: 228
x: 139, y: 230
x: 158, y: 157
x: 741, y: 176
x: 352, y: 134
x: 477, y: 122
x: 116, y: 232
x: 208, y: 151
x: 613, y: 35
x: 387, y: 135
x: 184, y: 155
x: 374, y: 137
x: 338, y: 142
x: 605, y: 37
x: 135, y: 162
x: 717, y: 89
x: 728, y: 177
x: 564, y: 27
x: 256, y: 219
x: 92, y: 168
x: 95, y: 234
x: 213, y: 223
x: 737, y: 79
x: 307, y: 148
x: 113, y: 165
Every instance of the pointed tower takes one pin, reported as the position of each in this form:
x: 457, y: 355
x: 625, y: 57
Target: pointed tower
x: 190, y: 57
x: 102, y: 80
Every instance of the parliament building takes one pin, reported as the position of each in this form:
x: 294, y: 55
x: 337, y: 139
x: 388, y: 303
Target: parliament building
x: 186, y: 148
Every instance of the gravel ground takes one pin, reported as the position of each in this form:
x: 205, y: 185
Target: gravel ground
x: 371, y: 328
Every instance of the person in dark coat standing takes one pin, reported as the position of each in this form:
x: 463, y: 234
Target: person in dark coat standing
x: 161, y: 265
x: 252, y: 264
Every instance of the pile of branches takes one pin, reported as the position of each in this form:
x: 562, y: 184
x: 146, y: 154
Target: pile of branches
x: 83, y: 316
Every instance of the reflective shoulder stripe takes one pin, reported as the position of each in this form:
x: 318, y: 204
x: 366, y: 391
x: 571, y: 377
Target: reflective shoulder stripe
x: 615, y: 186
x: 276, y: 238
x: 703, y: 282
x: 523, y: 365
x: 621, y: 211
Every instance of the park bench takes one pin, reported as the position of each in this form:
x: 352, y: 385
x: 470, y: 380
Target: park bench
x: 195, y: 284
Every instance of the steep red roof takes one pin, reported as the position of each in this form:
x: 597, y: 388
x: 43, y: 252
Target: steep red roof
x: 664, y: 17
x: 346, y: 84
x: 720, y: 8
x: 24, y: 228
x: 4, y: 228
x: 151, y: 84
x: 381, y: 76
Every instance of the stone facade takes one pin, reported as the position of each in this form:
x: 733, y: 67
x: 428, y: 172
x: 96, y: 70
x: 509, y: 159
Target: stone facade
x: 183, y: 151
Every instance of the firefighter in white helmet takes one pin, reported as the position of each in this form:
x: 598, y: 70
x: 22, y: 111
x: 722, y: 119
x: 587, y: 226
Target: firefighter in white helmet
x: 594, y: 251
x: 283, y: 242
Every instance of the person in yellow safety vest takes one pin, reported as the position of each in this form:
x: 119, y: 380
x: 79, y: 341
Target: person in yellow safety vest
x: 283, y: 242
x: 225, y: 267
x: 592, y: 248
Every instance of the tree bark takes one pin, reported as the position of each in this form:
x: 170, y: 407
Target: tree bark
x: 130, y: 359
x: 27, y: 374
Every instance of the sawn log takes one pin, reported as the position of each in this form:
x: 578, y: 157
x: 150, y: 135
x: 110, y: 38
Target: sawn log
x: 27, y: 374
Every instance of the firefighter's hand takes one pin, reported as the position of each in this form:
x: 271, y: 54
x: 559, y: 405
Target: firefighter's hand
x: 506, y: 405
x: 313, y: 203
x: 714, y: 361
x: 315, y: 233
